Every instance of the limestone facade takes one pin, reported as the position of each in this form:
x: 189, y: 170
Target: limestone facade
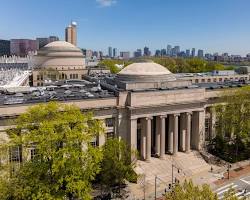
x: 154, y: 121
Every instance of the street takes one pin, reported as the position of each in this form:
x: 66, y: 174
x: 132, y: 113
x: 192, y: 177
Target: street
x: 241, y: 187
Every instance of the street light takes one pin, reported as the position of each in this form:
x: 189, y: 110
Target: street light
x: 173, y: 173
x: 228, y: 168
x: 156, y: 182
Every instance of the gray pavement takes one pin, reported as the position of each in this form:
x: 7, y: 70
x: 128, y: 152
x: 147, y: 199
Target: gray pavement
x: 241, y: 187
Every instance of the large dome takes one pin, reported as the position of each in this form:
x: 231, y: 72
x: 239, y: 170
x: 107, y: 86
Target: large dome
x: 146, y: 68
x: 144, y: 72
x: 59, y: 54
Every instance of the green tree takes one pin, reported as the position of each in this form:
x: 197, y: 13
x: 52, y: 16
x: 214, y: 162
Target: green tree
x: 189, y: 191
x: 111, y: 64
x: 233, y: 125
x: 64, y: 163
x: 116, y: 164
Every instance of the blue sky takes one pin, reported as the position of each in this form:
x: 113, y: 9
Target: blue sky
x: 213, y: 25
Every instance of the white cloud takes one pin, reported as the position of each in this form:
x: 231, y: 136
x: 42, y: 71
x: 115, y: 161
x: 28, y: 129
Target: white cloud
x: 106, y: 3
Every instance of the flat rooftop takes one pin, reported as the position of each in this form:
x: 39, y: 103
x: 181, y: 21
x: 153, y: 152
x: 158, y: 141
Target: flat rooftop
x: 93, y: 87
x: 58, y: 91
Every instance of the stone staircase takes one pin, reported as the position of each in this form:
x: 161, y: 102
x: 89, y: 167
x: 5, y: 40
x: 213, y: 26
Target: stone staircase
x: 189, y: 164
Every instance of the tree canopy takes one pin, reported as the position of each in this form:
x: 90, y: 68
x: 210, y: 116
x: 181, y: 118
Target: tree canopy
x: 116, y: 165
x: 232, y: 141
x: 111, y: 64
x: 189, y: 191
x: 63, y: 163
x: 175, y: 65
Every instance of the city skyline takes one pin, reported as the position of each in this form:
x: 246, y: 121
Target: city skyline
x: 104, y: 24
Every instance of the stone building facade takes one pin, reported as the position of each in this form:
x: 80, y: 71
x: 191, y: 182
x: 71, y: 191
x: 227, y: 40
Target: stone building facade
x: 155, y: 112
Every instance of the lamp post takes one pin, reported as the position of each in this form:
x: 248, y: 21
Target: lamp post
x: 228, y: 169
x: 173, y: 173
x: 156, y: 184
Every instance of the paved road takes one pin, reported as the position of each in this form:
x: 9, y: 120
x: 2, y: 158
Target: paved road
x: 241, y: 187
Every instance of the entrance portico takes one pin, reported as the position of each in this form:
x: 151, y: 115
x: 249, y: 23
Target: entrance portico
x: 167, y: 134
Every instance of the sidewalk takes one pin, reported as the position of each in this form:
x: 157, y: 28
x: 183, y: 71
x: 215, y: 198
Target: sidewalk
x: 233, y: 174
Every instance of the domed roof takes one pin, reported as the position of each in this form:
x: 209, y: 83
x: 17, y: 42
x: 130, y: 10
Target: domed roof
x: 59, y: 53
x: 60, y: 44
x: 145, y: 68
x: 145, y: 72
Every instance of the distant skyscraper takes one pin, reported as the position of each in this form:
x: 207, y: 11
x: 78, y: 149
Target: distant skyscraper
x: 157, y: 53
x: 21, y: 47
x: 4, y: 47
x: 146, y: 51
x: 44, y: 41
x: 125, y: 55
x: 169, y: 48
x: 177, y: 49
x: 200, y: 53
x: 100, y: 54
x: 163, y: 52
x: 53, y: 38
x: 71, y: 33
x: 138, y: 53
x: 110, y: 52
x: 188, y: 53
x: 89, y: 53
x: 193, y: 52
x: 115, y: 52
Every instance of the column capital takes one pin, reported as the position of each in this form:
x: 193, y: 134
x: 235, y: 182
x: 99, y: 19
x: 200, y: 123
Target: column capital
x: 133, y: 117
x: 176, y: 114
x: 163, y: 116
x: 189, y: 113
x: 149, y: 118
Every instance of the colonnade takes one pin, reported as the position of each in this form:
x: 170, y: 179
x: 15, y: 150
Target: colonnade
x: 167, y: 134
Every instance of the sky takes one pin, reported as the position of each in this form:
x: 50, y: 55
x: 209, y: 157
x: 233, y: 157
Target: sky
x: 212, y: 25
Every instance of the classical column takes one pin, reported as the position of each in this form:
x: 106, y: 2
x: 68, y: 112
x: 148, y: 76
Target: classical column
x: 148, y: 138
x: 188, y: 132
x: 162, y: 135
x: 170, y: 134
x: 143, y: 138
x: 158, y: 135
x: 175, y: 144
x: 198, y: 129
x: 132, y: 137
x: 183, y: 130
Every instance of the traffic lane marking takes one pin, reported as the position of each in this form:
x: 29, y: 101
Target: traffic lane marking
x: 243, y: 180
x: 225, y: 186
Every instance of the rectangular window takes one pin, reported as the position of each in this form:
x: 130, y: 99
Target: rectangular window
x: 15, y: 154
x: 110, y: 135
x: 109, y: 122
x: 33, y: 153
x: 207, y: 129
x: 94, y: 142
